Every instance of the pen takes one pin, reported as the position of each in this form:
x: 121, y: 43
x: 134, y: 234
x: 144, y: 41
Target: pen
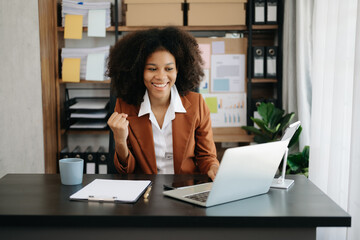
x: 147, y: 193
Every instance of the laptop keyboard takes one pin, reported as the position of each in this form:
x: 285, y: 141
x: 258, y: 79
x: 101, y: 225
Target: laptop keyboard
x: 201, y: 197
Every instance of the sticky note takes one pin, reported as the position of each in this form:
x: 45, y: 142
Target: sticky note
x: 212, y: 104
x: 73, y: 26
x: 95, y: 66
x: 96, y: 23
x: 71, y: 70
x: 218, y: 47
x: 205, y: 54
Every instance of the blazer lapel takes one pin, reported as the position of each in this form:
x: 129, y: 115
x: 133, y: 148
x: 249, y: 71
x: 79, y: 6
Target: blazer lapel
x: 181, y: 129
x: 141, y: 128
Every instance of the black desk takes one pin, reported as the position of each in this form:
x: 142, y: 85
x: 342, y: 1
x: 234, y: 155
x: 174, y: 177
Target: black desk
x: 36, y: 206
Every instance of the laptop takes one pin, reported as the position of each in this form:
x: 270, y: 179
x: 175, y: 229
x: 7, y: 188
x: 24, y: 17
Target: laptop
x: 244, y: 172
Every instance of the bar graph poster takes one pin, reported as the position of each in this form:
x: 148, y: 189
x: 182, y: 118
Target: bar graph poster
x: 227, y: 110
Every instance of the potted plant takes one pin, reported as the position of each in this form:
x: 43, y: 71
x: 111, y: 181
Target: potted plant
x: 270, y: 128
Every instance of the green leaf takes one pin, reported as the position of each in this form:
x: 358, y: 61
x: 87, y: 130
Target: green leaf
x: 294, y: 161
x: 252, y: 129
x: 296, y: 137
x: 272, y: 130
x: 286, y: 120
x: 261, y: 125
x: 276, y: 117
x: 261, y: 139
x: 306, y: 153
x: 265, y: 110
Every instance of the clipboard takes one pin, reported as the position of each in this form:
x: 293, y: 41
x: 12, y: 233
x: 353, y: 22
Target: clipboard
x: 106, y: 190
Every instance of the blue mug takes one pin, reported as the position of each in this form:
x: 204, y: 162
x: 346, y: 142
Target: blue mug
x: 71, y: 171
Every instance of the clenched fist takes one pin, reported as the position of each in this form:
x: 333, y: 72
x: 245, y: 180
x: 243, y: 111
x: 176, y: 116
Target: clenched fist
x: 119, y: 125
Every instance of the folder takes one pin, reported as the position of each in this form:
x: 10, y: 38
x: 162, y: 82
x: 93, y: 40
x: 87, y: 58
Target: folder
x: 71, y: 70
x: 102, y: 160
x: 73, y: 27
x: 271, y: 11
x: 258, y: 62
x: 90, y: 161
x: 259, y: 12
x: 271, y: 62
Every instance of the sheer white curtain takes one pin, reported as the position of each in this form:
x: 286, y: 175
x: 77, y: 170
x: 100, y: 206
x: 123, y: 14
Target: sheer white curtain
x: 297, y: 48
x: 334, y: 144
x: 322, y: 85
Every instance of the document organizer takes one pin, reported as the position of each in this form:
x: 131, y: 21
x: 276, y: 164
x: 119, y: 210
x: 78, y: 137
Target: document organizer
x: 86, y: 113
x: 117, y: 191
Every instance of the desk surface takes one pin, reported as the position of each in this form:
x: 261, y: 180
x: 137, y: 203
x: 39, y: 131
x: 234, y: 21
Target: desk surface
x: 40, y: 199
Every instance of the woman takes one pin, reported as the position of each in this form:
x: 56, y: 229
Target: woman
x: 159, y: 124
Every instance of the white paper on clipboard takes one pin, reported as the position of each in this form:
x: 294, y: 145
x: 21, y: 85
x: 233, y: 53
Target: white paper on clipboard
x: 106, y: 190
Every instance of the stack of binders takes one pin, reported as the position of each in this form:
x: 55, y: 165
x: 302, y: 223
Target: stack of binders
x: 95, y: 162
x: 264, y: 62
x: 265, y: 12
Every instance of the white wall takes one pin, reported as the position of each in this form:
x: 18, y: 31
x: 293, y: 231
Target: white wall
x: 21, y: 120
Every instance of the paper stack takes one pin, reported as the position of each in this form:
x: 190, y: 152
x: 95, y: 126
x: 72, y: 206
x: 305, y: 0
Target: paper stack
x: 92, y: 61
x: 82, y: 8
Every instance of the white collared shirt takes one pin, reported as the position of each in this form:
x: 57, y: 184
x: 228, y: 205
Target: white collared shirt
x: 163, y: 141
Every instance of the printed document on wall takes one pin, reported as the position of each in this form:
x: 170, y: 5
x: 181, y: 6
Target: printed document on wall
x: 228, y: 73
x: 226, y: 110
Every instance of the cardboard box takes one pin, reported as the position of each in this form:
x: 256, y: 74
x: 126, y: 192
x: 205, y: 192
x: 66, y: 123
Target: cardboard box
x: 216, y: 12
x: 154, y: 12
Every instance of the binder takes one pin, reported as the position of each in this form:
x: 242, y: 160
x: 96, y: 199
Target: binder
x: 90, y: 161
x: 76, y: 153
x: 259, y: 12
x: 258, y: 62
x: 271, y: 11
x: 102, y: 160
x: 64, y: 153
x: 271, y: 62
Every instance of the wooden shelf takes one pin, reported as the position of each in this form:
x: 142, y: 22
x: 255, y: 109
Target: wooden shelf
x: 264, y: 80
x: 109, y: 29
x: 87, y: 81
x: 264, y: 27
x: 232, y: 134
x: 189, y: 28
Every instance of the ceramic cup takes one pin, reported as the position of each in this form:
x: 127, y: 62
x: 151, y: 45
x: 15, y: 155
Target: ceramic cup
x: 71, y: 171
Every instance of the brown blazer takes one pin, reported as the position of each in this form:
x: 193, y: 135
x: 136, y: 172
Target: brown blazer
x: 193, y: 146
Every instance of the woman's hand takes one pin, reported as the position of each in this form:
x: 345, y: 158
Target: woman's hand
x: 213, y: 171
x: 119, y: 125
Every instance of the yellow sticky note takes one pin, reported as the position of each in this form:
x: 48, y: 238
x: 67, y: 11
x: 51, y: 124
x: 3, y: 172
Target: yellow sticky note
x: 212, y: 104
x: 71, y: 70
x: 73, y: 26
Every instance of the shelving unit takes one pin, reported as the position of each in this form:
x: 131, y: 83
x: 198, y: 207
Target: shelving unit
x: 51, y: 39
x: 267, y: 89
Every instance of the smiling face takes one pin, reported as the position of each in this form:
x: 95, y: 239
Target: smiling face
x: 160, y: 75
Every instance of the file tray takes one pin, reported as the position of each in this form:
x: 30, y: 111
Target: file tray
x: 87, y: 113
